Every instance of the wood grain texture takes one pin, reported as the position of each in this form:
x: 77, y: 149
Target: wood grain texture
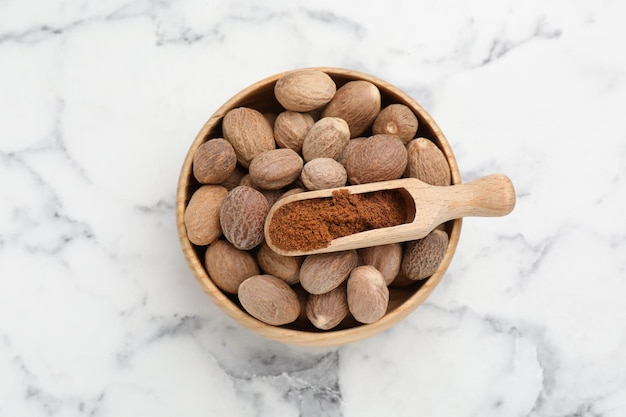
x: 402, y: 301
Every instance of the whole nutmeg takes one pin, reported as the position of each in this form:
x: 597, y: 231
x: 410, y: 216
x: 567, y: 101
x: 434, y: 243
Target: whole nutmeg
x: 356, y: 102
x: 214, y: 161
x: 202, y: 215
x: 249, y: 132
x: 385, y: 258
x: 291, y: 128
x: 228, y: 266
x: 427, y: 163
x: 398, y: 120
x: 275, y: 169
x: 326, y: 139
x: 323, y: 173
x: 269, y: 299
x: 368, y: 295
x: 304, y: 90
x: 326, y: 311
x: 378, y: 158
x: 422, y: 257
x: 242, y: 217
x: 286, y: 268
x: 324, y: 272
x: 343, y: 156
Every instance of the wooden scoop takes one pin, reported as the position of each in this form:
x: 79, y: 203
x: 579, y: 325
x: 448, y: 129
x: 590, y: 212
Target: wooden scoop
x: 427, y: 206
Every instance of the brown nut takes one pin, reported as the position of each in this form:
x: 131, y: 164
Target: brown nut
x: 323, y: 173
x: 356, y: 102
x: 286, y: 268
x: 327, y: 310
x: 368, y: 295
x: 228, y: 266
x: 378, y: 158
x: 304, y: 90
x: 427, y: 163
x: 214, y: 161
x: 202, y: 215
x: 269, y: 299
x: 291, y: 128
x: 275, y: 169
x: 324, y: 272
x: 326, y: 139
x: 242, y: 217
x: 385, y: 258
x: 398, y: 120
x: 343, y: 156
x: 249, y: 132
x: 422, y: 257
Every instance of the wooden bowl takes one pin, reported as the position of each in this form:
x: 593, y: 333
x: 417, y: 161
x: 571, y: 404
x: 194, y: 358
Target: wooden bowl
x: 403, y: 300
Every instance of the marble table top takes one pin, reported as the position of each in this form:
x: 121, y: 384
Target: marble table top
x: 99, y: 313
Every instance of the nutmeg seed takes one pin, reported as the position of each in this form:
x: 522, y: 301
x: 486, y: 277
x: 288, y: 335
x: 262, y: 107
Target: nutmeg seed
x: 398, y: 120
x: 291, y: 128
x: 353, y: 144
x: 275, y: 169
x: 378, y: 158
x: 228, y: 266
x: 304, y: 90
x: 286, y: 268
x: 422, y: 257
x: 356, y: 102
x: 214, y: 161
x: 242, y: 217
x: 427, y: 163
x: 327, y: 310
x: 326, y: 139
x: 323, y: 173
x: 324, y: 272
x: 368, y: 295
x: 385, y: 258
x: 269, y: 299
x: 249, y: 132
x: 202, y: 214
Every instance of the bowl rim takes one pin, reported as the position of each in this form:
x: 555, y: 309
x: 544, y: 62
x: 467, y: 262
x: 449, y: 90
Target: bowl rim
x: 304, y: 337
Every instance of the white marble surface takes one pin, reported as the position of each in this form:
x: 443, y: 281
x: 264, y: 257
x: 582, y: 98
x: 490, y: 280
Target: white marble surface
x: 99, y: 313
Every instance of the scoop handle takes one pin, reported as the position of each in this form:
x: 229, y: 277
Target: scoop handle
x: 489, y: 196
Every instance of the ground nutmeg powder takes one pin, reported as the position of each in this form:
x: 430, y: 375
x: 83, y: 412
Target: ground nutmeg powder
x: 313, y: 224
